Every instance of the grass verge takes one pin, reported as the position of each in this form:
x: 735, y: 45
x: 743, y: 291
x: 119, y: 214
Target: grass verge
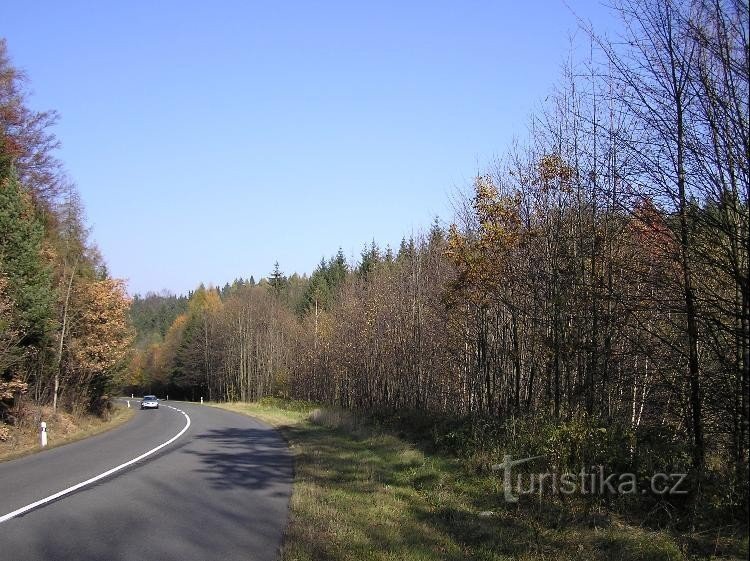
x: 62, y: 428
x: 362, y: 493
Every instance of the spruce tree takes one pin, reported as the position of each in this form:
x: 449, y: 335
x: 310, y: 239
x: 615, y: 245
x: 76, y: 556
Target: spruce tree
x: 21, y: 260
x: 277, y: 280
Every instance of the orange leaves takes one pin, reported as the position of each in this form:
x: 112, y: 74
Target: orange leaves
x: 102, y: 334
x: 481, y: 257
x: 457, y: 244
x: 498, y: 215
x: 554, y: 173
x: 162, y: 355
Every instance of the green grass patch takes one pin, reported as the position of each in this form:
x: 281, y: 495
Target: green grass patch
x: 364, y: 493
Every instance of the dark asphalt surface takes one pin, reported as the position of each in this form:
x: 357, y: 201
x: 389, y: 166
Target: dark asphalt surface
x: 219, y: 492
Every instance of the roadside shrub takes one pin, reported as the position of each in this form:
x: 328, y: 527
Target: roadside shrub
x: 587, y: 442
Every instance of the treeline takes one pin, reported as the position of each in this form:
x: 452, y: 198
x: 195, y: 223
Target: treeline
x: 229, y: 343
x: 151, y: 315
x: 64, y: 330
x: 598, y: 274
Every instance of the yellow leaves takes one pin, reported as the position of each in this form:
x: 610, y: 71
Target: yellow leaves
x: 205, y: 300
x: 481, y: 256
x: 162, y: 355
x: 498, y: 215
x: 178, y: 326
x: 135, y: 373
x: 326, y: 326
x: 102, y: 335
x: 554, y: 173
x: 456, y: 243
x: 212, y: 302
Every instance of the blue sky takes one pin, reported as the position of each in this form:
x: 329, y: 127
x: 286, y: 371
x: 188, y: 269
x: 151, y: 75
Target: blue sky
x: 210, y: 139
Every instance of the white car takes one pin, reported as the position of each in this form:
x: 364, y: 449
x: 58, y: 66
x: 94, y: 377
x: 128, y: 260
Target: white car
x: 149, y: 402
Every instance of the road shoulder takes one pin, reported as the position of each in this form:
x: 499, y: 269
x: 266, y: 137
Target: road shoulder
x: 62, y: 429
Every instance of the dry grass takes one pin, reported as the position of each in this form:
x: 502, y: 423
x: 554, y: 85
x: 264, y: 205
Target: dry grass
x: 361, y: 494
x: 62, y: 428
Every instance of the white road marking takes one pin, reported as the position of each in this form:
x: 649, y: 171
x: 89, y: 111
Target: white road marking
x: 107, y: 473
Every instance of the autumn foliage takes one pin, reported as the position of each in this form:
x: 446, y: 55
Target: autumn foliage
x: 592, y: 288
x: 64, y: 328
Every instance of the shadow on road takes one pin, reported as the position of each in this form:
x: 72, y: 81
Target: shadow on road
x: 242, y: 457
x: 222, y: 494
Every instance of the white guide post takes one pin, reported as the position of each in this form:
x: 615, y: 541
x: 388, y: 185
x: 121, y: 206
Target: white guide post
x: 43, y: 434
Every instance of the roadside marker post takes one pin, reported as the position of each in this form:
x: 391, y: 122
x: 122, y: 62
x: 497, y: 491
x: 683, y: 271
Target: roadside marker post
x: 44, y: 501
x: 201, y: 400
x: 128, y: 403
x: 43, y: 434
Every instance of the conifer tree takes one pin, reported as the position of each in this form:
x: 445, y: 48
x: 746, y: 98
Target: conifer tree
x: 277, y: 280
x: 22, y: 260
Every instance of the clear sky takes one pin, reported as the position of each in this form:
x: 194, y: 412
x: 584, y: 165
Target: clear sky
x: 210, y: 139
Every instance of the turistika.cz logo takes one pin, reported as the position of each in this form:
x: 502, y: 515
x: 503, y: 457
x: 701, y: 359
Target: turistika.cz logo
x: 593, y: 481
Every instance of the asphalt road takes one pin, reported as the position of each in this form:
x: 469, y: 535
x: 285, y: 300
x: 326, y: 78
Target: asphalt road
x: 220, y: 491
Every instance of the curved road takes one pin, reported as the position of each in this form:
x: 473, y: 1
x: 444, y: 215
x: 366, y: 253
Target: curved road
x: 220, y: 491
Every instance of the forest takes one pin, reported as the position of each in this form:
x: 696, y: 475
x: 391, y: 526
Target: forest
x: 65, y: 334
x: 588, y: 301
